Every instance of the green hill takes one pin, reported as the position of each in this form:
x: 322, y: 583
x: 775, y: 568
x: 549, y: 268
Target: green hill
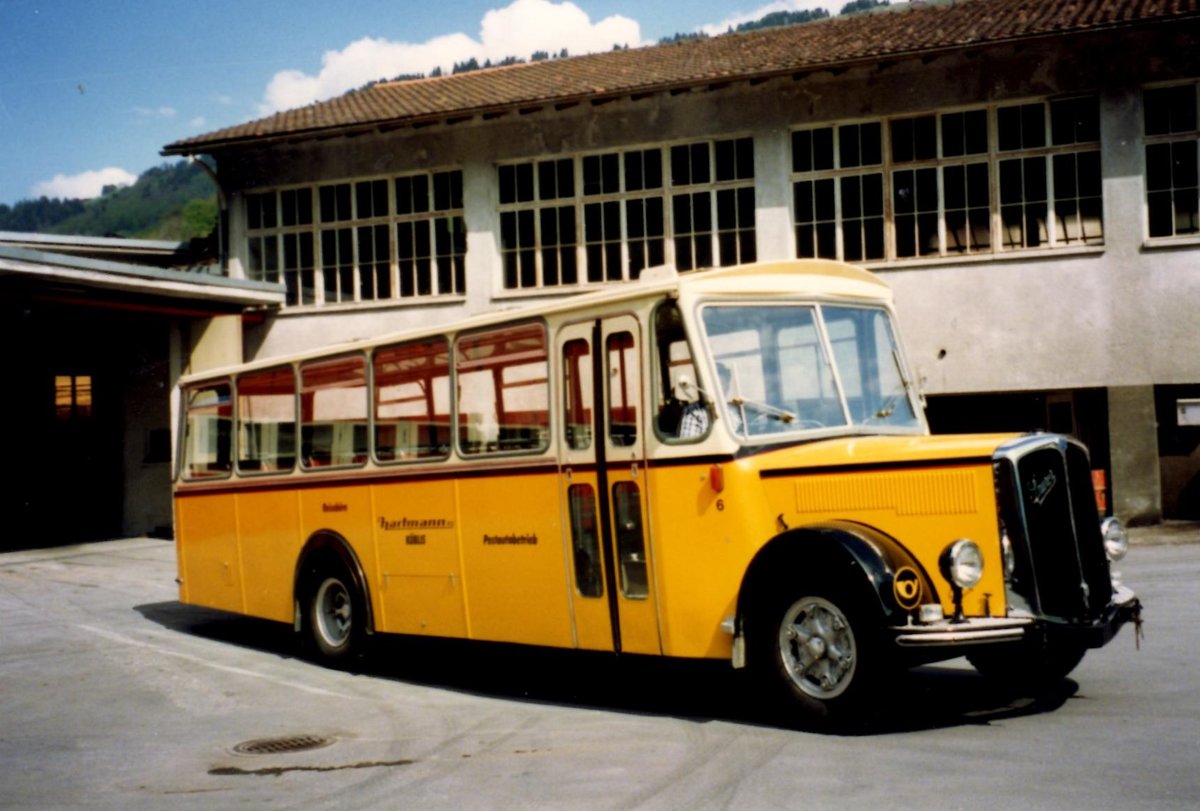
x: 175, y: 202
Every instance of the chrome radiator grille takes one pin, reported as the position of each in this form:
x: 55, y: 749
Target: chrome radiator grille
x: 1048, y: 507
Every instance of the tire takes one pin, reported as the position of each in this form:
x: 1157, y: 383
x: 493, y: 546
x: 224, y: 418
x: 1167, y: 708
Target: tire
x: 1028, y: 667
x: 818, y: 650
x: 335, y: 617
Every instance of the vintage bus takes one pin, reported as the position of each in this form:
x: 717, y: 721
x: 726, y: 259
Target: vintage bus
x: 731, y: 464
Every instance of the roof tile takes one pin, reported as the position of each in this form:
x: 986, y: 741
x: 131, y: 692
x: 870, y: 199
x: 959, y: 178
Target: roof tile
x: 913, y: 30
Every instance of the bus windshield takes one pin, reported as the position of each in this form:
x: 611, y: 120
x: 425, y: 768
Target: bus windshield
x: 802, y: 367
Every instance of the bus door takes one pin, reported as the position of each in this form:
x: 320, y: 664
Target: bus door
x: 604, y: 481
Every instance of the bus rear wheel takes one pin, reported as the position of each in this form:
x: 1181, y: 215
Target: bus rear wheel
x: 335, y: 617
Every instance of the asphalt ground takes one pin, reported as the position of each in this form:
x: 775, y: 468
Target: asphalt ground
x: 114, y: 695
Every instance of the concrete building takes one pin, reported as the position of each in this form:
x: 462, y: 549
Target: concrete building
x: 99, y: 331
x: 1022, y: 172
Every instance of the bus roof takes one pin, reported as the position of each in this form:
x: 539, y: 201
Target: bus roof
x: 795, y: 277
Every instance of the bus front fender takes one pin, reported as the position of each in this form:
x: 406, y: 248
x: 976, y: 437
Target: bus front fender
x: 856, y: 557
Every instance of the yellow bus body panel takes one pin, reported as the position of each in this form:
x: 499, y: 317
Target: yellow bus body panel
x: 514, y: 564
x: 210, y: 570
x: 269, y: 538
x: 421, y: 587
x: 924, y: 497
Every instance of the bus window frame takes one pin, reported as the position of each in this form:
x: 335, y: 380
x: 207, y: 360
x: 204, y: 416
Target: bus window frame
x: 237, y: 422
x: 660, y: 396
x: 373, y: 400
x: 182, y: 474
x: 301, y: 423
x: 548, y: 443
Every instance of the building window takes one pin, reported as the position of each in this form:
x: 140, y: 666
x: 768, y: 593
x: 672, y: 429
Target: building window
x: 1055, y: 175
x: 537, y: 224
x: 1172, y: 145
x: 381, y: 239
x: 713, y: 183
x: 950, y: 184
x: 606, y: 217
x: 72, y: 397
x: 941, y: 194
x: 280, y: 242
x: 849, y: 191
x: 431, y: 238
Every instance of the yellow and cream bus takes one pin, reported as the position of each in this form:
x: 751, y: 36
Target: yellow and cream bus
x: 723, y: 465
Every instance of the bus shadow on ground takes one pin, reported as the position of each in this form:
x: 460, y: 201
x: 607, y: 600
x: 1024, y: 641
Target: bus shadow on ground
x: 927, y: 697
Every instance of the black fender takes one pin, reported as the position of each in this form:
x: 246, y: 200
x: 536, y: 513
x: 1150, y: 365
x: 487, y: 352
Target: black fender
x: 323, y: 548
x: 853, y: 553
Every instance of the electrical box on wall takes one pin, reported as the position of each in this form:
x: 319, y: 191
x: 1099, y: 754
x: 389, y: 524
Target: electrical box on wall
x: 1187, y: 412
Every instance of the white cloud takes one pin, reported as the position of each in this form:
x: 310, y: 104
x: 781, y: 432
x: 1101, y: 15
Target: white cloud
x: 156, y: 112
x: 738, y: 17
x: 197, y: 122
x: 84, y: 185
x: 519, y: 29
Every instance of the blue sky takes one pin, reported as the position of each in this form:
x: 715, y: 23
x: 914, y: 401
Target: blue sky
x: 91, y: 90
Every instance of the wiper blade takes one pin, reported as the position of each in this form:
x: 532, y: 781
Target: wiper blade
x: 781, y: 414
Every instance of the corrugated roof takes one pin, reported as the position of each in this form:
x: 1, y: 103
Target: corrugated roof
x: 910, y: 31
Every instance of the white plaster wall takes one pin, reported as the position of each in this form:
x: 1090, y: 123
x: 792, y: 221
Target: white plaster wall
x: 1120, y: 315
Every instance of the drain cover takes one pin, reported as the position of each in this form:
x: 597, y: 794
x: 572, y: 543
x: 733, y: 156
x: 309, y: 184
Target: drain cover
x: 279, y: 746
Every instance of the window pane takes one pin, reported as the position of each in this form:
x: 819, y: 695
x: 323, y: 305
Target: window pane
x: 412, y: 401
x: 577, y: 394
x: 266, y: 412
x: 333, y: 412
x: 1170, y: 109
x: 585, y: 541
x: 631, y: 544
x: 624, y: 389
x: 208, y: 438
x: 503, y: 400
x: 1075, y: 121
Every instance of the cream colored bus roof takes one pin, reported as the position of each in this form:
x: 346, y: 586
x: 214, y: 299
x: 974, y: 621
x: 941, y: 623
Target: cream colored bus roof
x: 797, y: 277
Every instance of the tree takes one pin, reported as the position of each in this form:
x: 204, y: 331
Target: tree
x: 859, y: 6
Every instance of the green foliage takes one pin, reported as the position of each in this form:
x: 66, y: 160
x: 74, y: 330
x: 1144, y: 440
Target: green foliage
x: 682, y: 37
x: 174, y: 202
x: 859, y: 6
x: 28, y: 216
x: 778, y: 18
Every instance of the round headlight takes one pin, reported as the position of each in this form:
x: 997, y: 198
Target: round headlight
x: 1116, y: 542
x: 962, y: 563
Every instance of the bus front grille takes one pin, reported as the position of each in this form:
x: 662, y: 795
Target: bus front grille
x: 1048, y: 507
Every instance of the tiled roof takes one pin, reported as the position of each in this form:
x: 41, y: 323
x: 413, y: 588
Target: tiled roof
x: 915, y: 30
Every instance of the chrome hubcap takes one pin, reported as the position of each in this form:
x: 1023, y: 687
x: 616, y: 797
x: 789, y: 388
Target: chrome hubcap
x: 333, y: 615
x: 817, y: 647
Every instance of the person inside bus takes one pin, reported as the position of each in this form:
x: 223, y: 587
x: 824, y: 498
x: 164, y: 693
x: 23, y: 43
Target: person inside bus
x: 694, y: 419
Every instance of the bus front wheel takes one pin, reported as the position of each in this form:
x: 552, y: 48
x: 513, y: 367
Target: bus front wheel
x: 335, y: 617
x: 817, y: 649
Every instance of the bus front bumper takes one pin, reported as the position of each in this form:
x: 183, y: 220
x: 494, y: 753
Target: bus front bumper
x: 1125, y: 607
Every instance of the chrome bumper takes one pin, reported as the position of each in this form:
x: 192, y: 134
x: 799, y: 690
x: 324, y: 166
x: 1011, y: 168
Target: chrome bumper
x: 1124, y: 608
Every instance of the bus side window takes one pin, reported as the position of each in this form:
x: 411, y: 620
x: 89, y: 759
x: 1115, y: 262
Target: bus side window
x: 503, y: 391
x: 208, y: 436
x: 266, y: 420
x: 577, y: 394
x: 677, y: 393
x: 585, y: 540
x: 412, y: 401
x: 631, y: 545
x: 623, y: 389
x: 333, y: 412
